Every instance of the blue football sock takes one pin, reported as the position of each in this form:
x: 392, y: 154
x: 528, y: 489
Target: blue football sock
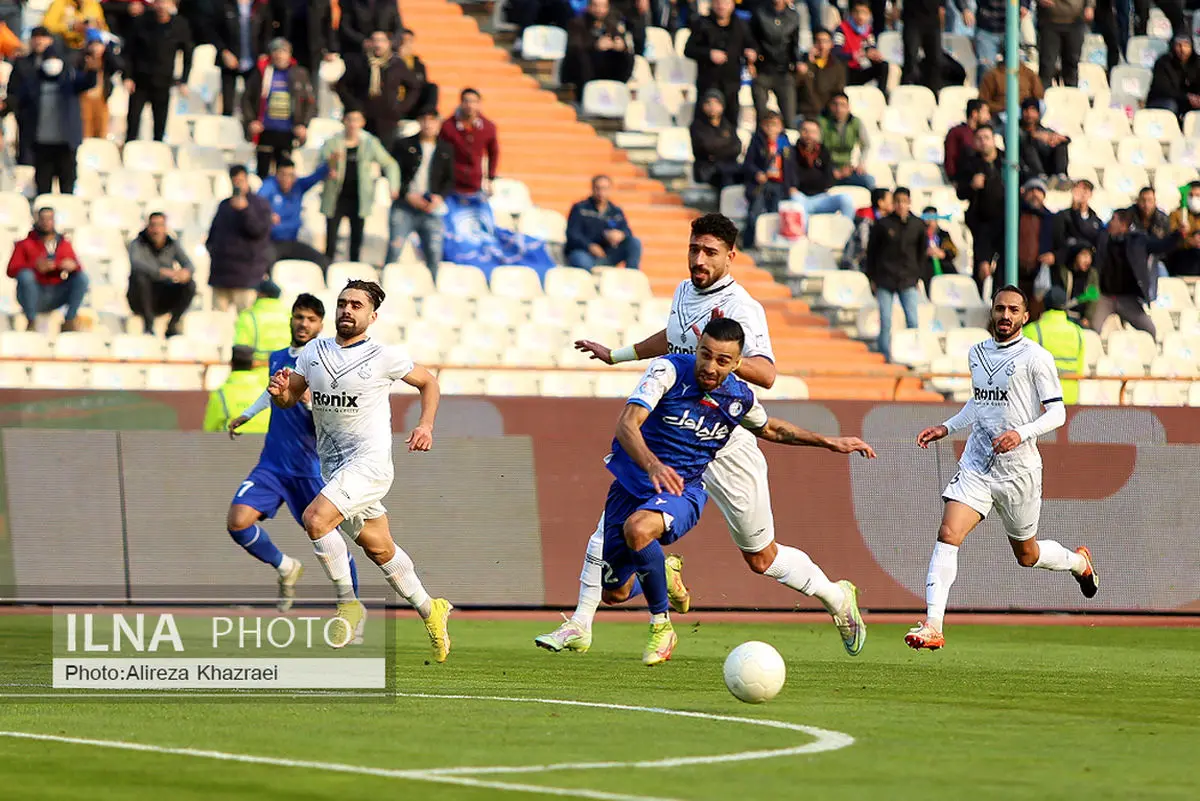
x: 354, y: 575
x: 258, y: 544
x: 652, y: 571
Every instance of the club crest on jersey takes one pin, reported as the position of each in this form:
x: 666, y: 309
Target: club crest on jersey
x: 339, y: 401
x: 716, y: 431
x: 364, y: 372
x: 735, y: 408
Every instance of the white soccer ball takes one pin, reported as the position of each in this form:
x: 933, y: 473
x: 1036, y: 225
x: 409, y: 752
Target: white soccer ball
x: 754, y: 672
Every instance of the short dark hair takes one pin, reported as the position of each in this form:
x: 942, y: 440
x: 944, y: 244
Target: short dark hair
x: 878, y: 194
x: 726, y: 329
x: 154, y: 214
x: 284, y: 162
x: 242, y: 358
x: 768, y: 116
x: 839, y: 96
x: 985, y: 127
x: 1015, y: 289
x: 374, y: 291
x: 1146, y: 189
x: 718, y: 225
x: 854, y: 3
x: 469, y: 91
x: 236, y: 170
x: 820, y: 31
x: 43, y: 210
x: 599, y: 177
x: 310, y: 302
x: 901, y: 190
x: 974, y: 105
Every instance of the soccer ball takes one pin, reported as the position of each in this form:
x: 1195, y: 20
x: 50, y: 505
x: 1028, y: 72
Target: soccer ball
x: 754, y: 672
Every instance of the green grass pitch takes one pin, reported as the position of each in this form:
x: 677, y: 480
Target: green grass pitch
x: 1006, y: 712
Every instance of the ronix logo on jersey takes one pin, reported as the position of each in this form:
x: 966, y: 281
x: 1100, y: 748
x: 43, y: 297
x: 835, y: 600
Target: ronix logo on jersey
x: 327, y: 400
x: 991, y: 395
x: 673, y: 348
x: 716, y: 431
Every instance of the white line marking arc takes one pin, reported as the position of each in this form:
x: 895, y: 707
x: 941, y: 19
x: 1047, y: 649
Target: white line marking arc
x: 824, y: 740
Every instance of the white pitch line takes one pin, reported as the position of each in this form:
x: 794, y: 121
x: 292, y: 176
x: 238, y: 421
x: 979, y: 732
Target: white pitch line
x: 334, y: 767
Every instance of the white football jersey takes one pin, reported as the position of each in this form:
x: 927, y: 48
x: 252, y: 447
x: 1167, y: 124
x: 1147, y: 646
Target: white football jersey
x: 1010, y: 383
x: 692, y: 308
x: 351, y: 401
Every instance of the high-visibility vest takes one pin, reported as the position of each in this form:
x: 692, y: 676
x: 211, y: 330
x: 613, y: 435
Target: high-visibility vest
x: 1061, y: 336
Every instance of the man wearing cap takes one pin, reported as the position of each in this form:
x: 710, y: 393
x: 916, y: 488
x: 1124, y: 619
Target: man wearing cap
x: 1043, y: 152
x: 239, y: 391
x: 160, y: 276
x: 1175, y: 82
x: 716, y: 147
x: 426, y: 178
x: 150, y: 53
x: 1059, y: 334
x: 277, y: 106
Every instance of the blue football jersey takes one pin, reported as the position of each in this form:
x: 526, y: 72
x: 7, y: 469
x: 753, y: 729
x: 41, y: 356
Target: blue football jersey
x: 291, y: 445
x: 686, y: 426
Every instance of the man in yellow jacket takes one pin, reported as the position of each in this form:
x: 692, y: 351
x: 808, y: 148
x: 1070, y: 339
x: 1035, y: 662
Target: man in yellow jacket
x: 242, y: 388
x: 264, y: 327
x: 71, y: 19
x: 1062, y: 336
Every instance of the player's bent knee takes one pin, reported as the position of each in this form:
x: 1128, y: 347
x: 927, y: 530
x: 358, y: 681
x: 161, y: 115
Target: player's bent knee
x: 1026, y: 557
x: 617, y: 596
x: 241, y: 516
x: 642, y: 528
x: 759, y: 562
x: 949, y: 535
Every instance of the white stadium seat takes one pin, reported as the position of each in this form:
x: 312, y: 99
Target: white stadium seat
x: 461, y: 280
x: 407, y: 279
x: 517, y: 282
x: 543, y: 43
x: 621, y: 284
x: 605, y: 99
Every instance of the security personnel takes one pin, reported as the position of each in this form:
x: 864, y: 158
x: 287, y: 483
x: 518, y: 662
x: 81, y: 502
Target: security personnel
x: 1062, y: 336
x: 243, y: 387
x: 264, y: 327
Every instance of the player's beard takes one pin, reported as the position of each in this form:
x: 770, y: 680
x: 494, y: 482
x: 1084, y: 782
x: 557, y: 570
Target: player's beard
x: 1000, y: 336
x: 348, y: 329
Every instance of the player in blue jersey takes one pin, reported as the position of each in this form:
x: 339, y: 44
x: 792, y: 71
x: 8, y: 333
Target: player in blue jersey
x: 288, y: 470
x: 681, y: 414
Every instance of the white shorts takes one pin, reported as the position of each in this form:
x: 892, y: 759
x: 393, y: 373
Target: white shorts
x: 1018, y: 500
x: 358, y: 494
x: 737, y: 483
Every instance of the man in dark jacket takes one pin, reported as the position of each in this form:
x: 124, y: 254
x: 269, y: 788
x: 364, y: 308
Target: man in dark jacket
x: 769, y: 170
x: 895, y: 254
x: 715, y: 144
x: 814, y: 176
x: 819, y: 76
x: 43, y: 94
x: 240, y: 31
x: 1175, y: 85
x: 160, y: 276
x: 360, y: 19
x: 1043, y: 151
x: 1147, y: 218
x: 597, y: 49
x: 277, y: 105
x: 854, y: 43
x: 426, y: 178
x: 1127, y: 281
x: 980, y: 182
x: 598, y: 233
x: 150, y: 66
x: 308, y: 25
x: 960, y: 140
x: 427, y: 99
x: 1061, y: 27
x: 1035, y: 240
x: 776, y: 29
x: 381, y: 86
x: 239, y: 244
x: 721, y: 44
x: 1077, y: 226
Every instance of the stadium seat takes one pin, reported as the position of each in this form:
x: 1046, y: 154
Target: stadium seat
x: 1139, y: 151
x: 461, y: 382
x: 955, y: 291
x: 97, y: 155
x: 1182, y: 347
x: 1130, y: 80
x: 1172, y: 367
x: 1157, y: 124
x: 137, y: 347
x: 642, y: 115
x: 1158, y: 393
x: 1093, y: 80
x: 173, y: 377
x: 867, y: 103
x: 846, y: 289
x: 914, y: 347
x: 949, y: 367
x: 786, y: 387
x: 543, y: 43
x: 449, y: 310
x: 201, y: 157
x: 556, y: 312
x: 186, y: 349
x: 659, y: 44
x: 1093, y: 348
x: 681, y: 71
x: 520, y: 283
x: 830, y: 230
x: 461, y: 280
x: 295, y: 276
x: 631, y: 286
x: 919, y: 175
x: 116, y: 377
x: 961, y: 340
x: 80, y: 346
x: 890, y: 148
x: 605, y: 99
x: 342, y: 271
x: 930, y: 149
x: 14, y: 212
x: 1194, y: 394
x: 226, y: 132
x: 510, y: 196
x: 859, y: 194
x: 1066, y: 102
x: 733, y: 202
x: 70, y: 212
x: 674, y: 144
x: 546, y: 224
x: 616, y: 384
x: 500, y: 311
x: 511, y: 383
x: 541, y: 335
x: 566, y: 384
x: 1174, y: 294
x: 905, y: 120
x: 213, y: 326
x: 642, y: 75
x: 1099, y: 393
x: 407, y: 279
x: 189, y: 186
x: 1124, y: 179
x: 484, y: 338
x: 58, y: 375
x: 153, y: 157
x: 1145, y: 50
x: 569, y: 283
x: 1132, y: 346
x: 24, y: 345
x: 766, y: 232
x: 608, y: 313
x: 1169, y: 177
x: 1110, y: 124
x: 468, y: 356
x: 131, y: 185
x: 124, y: 217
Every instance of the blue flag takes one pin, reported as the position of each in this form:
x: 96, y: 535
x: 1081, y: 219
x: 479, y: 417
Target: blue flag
x: 472, y: 237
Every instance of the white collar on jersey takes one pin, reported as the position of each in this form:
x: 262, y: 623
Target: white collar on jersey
x: 724, y: 283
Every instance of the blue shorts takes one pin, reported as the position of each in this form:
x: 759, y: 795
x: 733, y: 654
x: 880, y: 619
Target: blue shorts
x: 265, y: 491
x: 682, y: 513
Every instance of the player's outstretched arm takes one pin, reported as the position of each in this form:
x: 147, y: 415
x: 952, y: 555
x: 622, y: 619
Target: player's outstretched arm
x: 785, y: 433
x: 252, y: 411
x: 421, y: 438
x: 964, y: 419
x: 629, y: 434
x: 286, y: 388
x: 649, y: 348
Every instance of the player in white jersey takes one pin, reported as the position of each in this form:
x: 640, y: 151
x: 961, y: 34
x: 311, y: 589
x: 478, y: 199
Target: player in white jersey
x: 737, y: 479
x: 1016, y: 397
x: 351, y: 378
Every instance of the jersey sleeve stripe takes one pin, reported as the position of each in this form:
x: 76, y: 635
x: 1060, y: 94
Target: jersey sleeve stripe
x: 1048, y: 401
x: 640, y: 402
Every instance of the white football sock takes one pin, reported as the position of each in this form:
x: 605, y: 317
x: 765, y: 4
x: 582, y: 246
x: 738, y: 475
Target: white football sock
x: 590, y: 579
x: 943, y: 569
x: 665, y: 617
x: 794, y: 568
x: 1053, y: 556
x: 286, y: 565
x: 335, y: 559
x: 402, y: 575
